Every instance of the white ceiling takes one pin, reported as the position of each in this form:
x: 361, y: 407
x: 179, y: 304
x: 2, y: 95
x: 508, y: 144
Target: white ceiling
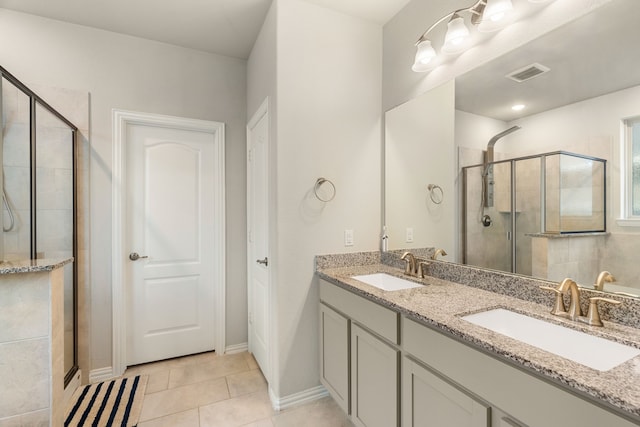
x: 225, y: 27
x: 591, y: 56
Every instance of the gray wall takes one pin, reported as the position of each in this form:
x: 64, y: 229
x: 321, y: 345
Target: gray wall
x: 136, y: 74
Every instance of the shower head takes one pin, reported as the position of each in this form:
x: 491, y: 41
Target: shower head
x: 502, y: 134
x: 487, y: 174
x: 494, y: 139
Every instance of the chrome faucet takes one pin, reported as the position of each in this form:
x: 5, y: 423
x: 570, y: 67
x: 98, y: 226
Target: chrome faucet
x: 438, y: 252
x: 604, y: 276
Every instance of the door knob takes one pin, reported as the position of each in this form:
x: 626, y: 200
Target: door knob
x: 264, y: 261
x: 134, y: 256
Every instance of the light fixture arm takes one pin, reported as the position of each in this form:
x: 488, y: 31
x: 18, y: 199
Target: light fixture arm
x: 471, y: 9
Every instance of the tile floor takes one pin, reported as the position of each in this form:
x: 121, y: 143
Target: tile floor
x: 208, y: 390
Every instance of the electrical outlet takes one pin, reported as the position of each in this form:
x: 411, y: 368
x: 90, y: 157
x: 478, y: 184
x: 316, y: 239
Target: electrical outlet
x: 348, y: 237
x: 409, y: 235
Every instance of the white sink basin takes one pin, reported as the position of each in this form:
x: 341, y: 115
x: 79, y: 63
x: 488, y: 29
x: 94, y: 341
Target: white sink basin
x: 386, y: 282
x: 595, y: 352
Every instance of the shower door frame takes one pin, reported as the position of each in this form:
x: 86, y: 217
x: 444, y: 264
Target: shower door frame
x: 513, y: 227
x: 34, y: 101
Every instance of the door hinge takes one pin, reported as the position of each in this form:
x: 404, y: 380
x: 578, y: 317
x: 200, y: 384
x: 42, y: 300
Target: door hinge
x: 250, y: 155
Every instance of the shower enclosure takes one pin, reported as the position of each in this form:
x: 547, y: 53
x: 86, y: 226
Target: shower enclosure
x: 507, y: 203
x: 38, y: 181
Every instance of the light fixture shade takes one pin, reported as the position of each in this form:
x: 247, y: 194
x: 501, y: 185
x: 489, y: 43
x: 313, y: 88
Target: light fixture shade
x: 495, y: 10
x: 424, y: 56
x: 457, y: 35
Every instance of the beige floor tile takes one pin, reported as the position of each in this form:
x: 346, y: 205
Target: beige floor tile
x: 180, y: 399
x: 251, y: 361
x: 321, y: 413
x: 189, y: 418
x: 262, y: 423
x: 236, y: 412
x: 165, y: 365
x: 208, y: 370
x: 158, y: 381
x: 246, y: 382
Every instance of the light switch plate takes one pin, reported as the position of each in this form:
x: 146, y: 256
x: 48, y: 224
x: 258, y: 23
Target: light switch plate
x: 409, y: 235
x: 348, y: 237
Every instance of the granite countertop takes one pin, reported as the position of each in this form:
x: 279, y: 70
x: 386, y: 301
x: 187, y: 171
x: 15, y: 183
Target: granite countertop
x: 33, y: 265
x: 441, y: 304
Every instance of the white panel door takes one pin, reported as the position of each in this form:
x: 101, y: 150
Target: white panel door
x: 170, y: 218
x: 258, y: 245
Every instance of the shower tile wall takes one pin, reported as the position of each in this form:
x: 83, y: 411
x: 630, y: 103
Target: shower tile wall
x: 16, y: 243
x: 559, y: 257
x: 53, y: 177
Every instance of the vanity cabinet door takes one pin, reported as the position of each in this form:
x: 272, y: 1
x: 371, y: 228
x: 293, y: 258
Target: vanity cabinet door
x: 334, y: 355
x: 429, y: 401
x: 374, y: 380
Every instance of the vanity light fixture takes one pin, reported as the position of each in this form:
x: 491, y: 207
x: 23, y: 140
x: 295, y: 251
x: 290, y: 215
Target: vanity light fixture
x: 496, y: 10
x: 487, y: 15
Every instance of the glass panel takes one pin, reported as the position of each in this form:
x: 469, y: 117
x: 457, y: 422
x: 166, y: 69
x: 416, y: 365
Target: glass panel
x: 528, y: 211
x: 575, y: 194
x: 54, y: 207
x: 16, y: 182
x: 488, y: 217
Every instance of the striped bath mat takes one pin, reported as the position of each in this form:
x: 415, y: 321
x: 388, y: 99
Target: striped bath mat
x: 110, y: 403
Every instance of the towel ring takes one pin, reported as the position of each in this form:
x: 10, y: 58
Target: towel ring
x: 332, y: 192
x: 433, y: 193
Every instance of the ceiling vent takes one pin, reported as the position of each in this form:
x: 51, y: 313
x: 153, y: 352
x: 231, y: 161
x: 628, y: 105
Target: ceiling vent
x: 527, y: 73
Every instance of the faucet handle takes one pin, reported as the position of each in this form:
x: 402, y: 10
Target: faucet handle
x: 558, y: 308
x: 423, y: 266
x: 593, y: 316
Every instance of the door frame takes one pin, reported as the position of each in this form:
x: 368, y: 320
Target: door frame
x: 262, y: 111
x: 121, y: 119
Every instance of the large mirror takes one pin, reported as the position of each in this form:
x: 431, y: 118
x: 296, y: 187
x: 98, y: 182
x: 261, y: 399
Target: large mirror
x: 588, y: 90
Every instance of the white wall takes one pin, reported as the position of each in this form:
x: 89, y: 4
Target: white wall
x: 136, y: 74
x: 419, y: 151
x: 329, y: 80
x: 327, y: 116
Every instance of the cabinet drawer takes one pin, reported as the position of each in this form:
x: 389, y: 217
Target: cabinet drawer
x: 377, y: 318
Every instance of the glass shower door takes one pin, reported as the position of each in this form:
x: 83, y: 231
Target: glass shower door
x: 55, y: 234
x: 488, y: 216
x: 527, y: 211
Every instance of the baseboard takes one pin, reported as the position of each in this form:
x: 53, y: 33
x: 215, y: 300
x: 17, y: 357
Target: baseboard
x: 102, y: 374
x: 309, y: 395
x: 236, y: 348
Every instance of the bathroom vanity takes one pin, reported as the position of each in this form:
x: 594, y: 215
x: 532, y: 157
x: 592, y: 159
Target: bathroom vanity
x: 408, y: 358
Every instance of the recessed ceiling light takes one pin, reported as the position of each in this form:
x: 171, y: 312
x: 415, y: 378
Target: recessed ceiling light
x: 518, y: 107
